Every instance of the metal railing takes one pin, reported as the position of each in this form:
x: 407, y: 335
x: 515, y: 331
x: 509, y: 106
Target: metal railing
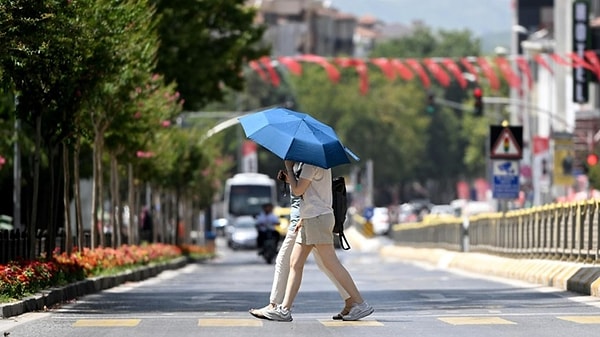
x: 567, y: 231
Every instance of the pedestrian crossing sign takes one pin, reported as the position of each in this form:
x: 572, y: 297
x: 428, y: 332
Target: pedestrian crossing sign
x: 506, y: 142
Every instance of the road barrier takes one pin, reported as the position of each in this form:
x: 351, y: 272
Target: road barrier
x: 565, y: 231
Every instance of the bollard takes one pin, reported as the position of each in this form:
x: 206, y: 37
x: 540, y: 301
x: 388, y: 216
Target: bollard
x: 464, y: 242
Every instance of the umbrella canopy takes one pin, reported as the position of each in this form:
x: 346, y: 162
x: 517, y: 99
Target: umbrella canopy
x: 296, y: 136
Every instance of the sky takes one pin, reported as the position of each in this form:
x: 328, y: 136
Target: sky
x: 479, y: 16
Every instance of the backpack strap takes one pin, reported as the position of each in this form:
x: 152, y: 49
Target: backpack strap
x: 343, y: 241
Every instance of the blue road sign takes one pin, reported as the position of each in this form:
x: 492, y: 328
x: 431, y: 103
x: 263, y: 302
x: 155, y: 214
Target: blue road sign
x: 505, y: 182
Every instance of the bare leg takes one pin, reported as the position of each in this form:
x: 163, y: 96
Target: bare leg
x: 333, y: 264
x: 299, y: 255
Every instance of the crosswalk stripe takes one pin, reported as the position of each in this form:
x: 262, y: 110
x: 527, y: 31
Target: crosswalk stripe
x: 97, y: 323
x: 229, y: 322
x: 581, y: 319
x: 475, y: 320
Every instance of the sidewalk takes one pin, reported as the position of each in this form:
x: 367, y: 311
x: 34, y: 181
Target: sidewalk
x: 570, y: 276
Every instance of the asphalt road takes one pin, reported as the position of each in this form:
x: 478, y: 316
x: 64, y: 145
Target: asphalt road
x: 212, y: 299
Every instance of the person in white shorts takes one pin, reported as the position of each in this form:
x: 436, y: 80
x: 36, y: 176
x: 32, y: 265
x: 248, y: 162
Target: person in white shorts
x: 315, y: 232
x: 282, y: 264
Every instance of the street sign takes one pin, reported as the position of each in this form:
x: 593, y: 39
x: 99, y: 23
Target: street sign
x: 505, y: 183
x: 506, y: 142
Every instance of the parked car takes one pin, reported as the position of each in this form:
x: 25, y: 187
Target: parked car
x: 241, y: 233
x: 380, y: 220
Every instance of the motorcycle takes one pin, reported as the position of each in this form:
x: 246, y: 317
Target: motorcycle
x: 269, y: 249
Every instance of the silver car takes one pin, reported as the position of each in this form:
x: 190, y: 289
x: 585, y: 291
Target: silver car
x: 242, y: 233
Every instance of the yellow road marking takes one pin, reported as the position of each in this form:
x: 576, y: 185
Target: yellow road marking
x: 329, y: 323
x: 229, y: 322
x: 581, y: 319
x: 106, y: 323
x: 474, y: 320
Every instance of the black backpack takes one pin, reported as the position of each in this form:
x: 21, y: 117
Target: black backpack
x: 340, y: 208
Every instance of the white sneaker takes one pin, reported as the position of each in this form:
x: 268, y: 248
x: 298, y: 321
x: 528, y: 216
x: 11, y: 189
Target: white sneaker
x: 278, y: 313
x: 358, y: 311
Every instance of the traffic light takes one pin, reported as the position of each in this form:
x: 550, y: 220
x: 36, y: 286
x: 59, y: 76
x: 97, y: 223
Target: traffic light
x: 430, y: 103
x: 592, y: 159
x: 478, y: 95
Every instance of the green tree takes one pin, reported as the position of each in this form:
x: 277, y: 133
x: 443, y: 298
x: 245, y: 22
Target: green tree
x: 204, y: 46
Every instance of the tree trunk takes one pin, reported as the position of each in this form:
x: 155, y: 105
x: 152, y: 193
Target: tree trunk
x: 36, y: 185
x: 77, y: 196
x: 54, y: 194
x: 116, y: 207
x: 66, y: 197
x: 131, y: 202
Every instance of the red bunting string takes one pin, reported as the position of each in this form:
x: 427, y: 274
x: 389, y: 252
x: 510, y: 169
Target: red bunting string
x: 440, y: 75
x: 454, y: 69
x: 361, y: 70
x: 470, y: 68
x: 416, y: 66
x: 489, y: 73
x: 266, y: 62
x: 386, y: 67
x: 526, y: 70
x: 511, y: 78
x: 332, y: 71
x: 402, y: 70
x: 293, y: 66
x: 443, y: 69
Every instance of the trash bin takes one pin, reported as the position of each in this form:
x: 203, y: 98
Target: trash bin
x: 209, y: 239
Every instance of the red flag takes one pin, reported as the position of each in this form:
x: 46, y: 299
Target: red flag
x: 292, y: 64
x: 416, y: 66
x: 525, y: 69
x: 385, y: 66
x: 580, y: 62
x: 332, y: 71
x: 489, y: 73
x: 402, y: 70
x: 259, y: 70
x: 266, y: 61
x: 559, y: 60
x: 592, y: 57
x: 541, y: 60
x: 361, y: 70
x: 438, y: 72
x: 469, y: 66
x: 455, y: 70
x: 512, y: 79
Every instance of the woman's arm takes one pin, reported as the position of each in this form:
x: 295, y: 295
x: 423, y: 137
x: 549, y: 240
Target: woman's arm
x: 298, y: 186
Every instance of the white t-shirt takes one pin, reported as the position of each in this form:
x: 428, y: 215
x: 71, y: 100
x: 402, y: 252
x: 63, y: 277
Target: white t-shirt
x: 317, y: 198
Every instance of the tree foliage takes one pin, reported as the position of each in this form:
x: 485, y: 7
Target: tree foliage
x: 204, y: 46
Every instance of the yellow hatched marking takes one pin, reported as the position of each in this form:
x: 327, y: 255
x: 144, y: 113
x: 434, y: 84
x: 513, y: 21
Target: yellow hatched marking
x: 581, y: 319
x: 329, y: 323
x: 86, y: 323
x: 475, y: 320
x: 229, y: 322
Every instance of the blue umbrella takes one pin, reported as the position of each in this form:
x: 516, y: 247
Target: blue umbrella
x: 296, y: 136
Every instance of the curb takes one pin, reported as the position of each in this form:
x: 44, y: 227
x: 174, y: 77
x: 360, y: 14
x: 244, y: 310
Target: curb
x: 47, y: 298
x: 569, y: 276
